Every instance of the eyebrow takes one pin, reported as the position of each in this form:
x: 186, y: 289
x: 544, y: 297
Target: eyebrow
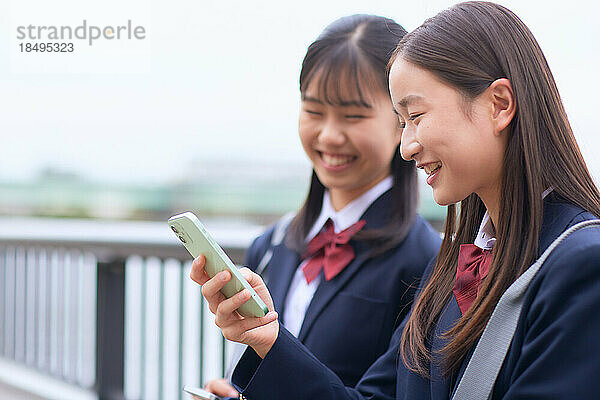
x: 351, y: 103
x: 409, y: 100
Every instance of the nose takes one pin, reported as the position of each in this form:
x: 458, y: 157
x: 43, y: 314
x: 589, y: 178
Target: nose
x: 409, y: 145
x: 332, y: 133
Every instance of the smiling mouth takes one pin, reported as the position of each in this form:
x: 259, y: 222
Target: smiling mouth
x: 432, y: 168
x: 336, y: 160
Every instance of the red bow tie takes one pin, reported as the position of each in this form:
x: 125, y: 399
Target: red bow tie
x: 329, y: 251
x: 473, y: 265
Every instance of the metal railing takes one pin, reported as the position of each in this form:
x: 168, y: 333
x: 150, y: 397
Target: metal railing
x: 107, y: 307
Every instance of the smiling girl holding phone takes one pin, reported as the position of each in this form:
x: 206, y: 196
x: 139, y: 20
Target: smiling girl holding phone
x: 483, y: 117
x: 356, y: 249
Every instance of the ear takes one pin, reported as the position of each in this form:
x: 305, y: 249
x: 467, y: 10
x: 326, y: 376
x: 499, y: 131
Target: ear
x: 503, y: 104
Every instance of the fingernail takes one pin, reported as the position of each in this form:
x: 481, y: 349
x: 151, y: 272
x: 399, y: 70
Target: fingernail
x: 223, y: 276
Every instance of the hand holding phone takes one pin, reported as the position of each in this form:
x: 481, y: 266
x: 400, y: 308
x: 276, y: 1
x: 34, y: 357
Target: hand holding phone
x: 197, y: 240
x: 223, y: 292
x: 200, y: 394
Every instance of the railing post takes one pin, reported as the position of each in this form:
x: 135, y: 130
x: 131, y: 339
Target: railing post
x: 110, y: 329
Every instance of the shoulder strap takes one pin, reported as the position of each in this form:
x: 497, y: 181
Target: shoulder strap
x: 480, y: 375
x: 276, y: 239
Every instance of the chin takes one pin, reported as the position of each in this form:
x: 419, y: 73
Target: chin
x: 445, y: 199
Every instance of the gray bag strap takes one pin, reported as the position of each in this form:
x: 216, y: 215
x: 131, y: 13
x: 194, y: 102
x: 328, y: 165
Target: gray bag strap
x: 276, y: 239
x: 480, y: 375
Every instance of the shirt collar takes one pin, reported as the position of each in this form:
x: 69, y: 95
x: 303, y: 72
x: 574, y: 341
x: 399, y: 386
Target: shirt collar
x: 352, y: 212
x: 486, y: 237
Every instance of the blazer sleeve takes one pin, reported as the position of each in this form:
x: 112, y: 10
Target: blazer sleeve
x: 559, y: 348
x: 290, y: 371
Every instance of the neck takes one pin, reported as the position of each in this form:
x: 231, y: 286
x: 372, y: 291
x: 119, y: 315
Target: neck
x: 492, y: 204
x: 340, y: 198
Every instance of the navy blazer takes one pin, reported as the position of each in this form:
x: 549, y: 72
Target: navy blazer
x: 371, y: 293
x: 555, y: 353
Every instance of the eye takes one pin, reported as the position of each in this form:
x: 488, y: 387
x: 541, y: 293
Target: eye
x: 401, y: 122
x: 415, y: 116
x: 355, y: 116
x: 313, y: 112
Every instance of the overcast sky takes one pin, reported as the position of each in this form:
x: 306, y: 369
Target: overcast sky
x: 215, y: 80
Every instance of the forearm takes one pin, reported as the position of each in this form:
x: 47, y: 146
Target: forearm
x: 288, y: 371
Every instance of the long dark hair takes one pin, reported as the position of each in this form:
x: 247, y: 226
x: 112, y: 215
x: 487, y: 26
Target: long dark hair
x: 468, y: 46
x: 350, y: 58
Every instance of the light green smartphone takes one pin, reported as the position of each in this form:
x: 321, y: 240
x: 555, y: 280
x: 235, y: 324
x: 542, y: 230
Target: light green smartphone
x: 197, y: 240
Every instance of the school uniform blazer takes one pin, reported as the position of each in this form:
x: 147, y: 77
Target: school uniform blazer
x: 351, y: 318
x: 555, y: 353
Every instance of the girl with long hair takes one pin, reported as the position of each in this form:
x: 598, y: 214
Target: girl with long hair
x: 483, y: 118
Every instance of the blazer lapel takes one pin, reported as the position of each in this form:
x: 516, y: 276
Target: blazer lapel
x: 326, y: 291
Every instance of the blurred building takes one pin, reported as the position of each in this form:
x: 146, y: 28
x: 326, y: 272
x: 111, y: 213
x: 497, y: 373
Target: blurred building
x: 258, y: 192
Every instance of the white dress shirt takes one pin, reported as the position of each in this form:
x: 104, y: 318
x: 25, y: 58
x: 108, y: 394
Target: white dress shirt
x: 301, y: 293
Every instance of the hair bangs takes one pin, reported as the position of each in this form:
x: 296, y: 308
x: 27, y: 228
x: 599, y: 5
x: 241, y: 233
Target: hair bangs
x: 343, y: 77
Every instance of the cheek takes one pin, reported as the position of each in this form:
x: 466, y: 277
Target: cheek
x: 393, y: 126
x: 304, y: 130
x: 378, y: 149
x: 446, y: 139
x: 392, y: 146
x: 386, y: 135
x: 471, y: 150
x: 306, y: 133
x: 434, y: 133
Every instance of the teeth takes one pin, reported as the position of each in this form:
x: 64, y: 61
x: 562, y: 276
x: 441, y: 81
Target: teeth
x: 336, y: 160
x: 431, y: 168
